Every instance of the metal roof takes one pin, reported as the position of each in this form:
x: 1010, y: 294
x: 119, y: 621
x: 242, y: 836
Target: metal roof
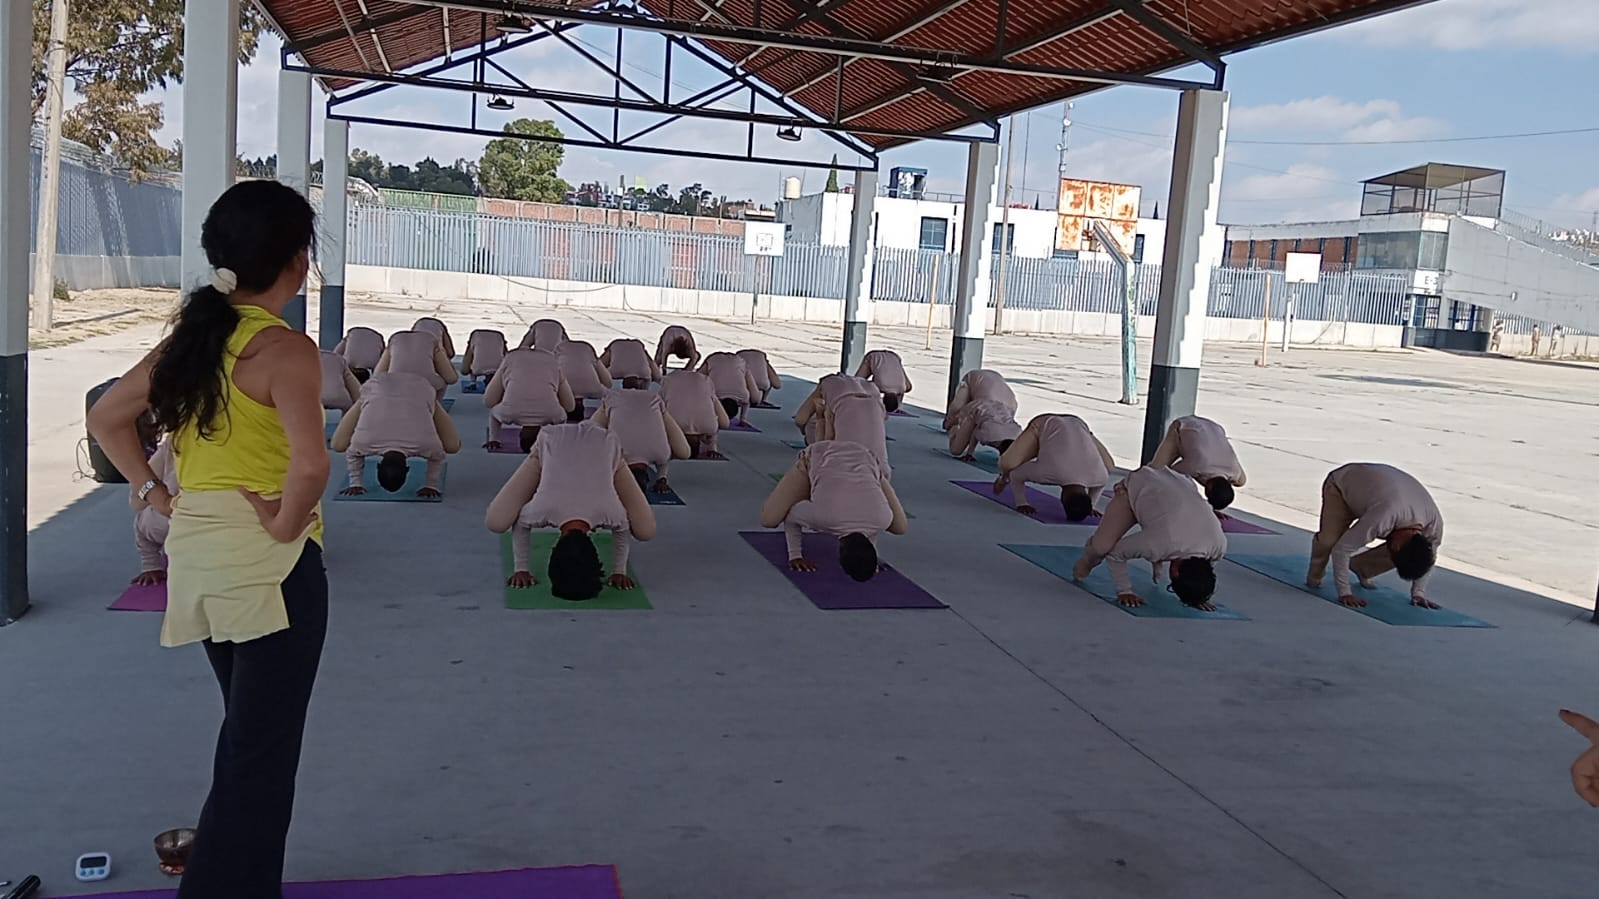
x: 908, y: 66
x: 1433, y: 175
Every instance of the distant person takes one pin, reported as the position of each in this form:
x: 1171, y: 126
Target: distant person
x: 691, y: 400
x: 397, y: 418
x: 1198, y: 448
x: 150, y: 523
x: 1177, y: 528
x: 339, y: 385
x: 811, y: 417
x: 1585, y: 770
x: 630, y: 361
x: 581, y: 367
x: 485, y: 350
x: 361, y: 348
x: 439, y: 330
x: 983, y: 423
x: 734, y: 384
x: 574, y: 479
x: 528, y: 391
x: 1061, y: 451
x: 857, y: 418
x: 766, y: 377
x: 419, y: 353
x: 676, y: 341
x: 980, y: 384
x: 1535, y: 335
x: 1496, y: 334
x: 544, y: 334
x: 885, y: 369
x: 1363, y: 502
x: 650, y: 437
x: 1555, y: 334
x: 836, y: 488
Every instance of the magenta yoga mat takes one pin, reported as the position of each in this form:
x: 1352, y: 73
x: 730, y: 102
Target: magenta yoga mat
x: 1048, y: 506
x: 747, y: 428
x: 142, y: 599
x: 574, y: 882
x: 828, y: 587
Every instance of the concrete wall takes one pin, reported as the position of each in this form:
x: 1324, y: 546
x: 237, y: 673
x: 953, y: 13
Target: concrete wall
x: 95, y: 272
x: 445, y: 286
x: 1507, y: 274
x: 825, y: 219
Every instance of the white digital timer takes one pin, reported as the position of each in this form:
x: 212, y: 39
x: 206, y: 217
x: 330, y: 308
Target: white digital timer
x: 94, y: 866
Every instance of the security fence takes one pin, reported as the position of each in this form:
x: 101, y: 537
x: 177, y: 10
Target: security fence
x: 102, y: 213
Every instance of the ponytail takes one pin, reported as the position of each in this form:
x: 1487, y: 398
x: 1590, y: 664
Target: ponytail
x: 186, y: 383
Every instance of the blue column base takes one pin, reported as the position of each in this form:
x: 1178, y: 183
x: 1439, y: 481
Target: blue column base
x: 854, y: 347
x: 1172, y: 392
x: 330, y: 324
x: 294, y: 313
x: 966, y: 355
x: 13, y: 487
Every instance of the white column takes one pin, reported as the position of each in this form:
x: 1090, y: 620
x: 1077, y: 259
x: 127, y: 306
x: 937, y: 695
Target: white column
x: 294, y: 157
x: 16, y: 83
x: 334, y: 231
x: 973, y: 285
x: 210, y: 119
x: 858, y: 284
x: 1193, y: 242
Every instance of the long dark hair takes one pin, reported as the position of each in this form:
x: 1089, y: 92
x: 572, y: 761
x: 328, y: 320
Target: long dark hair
x: 255, y: 230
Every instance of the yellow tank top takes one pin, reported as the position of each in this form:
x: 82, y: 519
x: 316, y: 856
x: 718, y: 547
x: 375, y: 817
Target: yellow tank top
x: 247, y: 446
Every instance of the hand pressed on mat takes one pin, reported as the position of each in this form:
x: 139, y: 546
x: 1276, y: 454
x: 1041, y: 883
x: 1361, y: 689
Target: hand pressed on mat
x: 150, y: 578
x: 661, y: 486
x: 801, y: 564
x: 353, y: 491
x: 621, y: 582
x: 429, y: 493
x: 1130, y: 600
x: 521, y: 579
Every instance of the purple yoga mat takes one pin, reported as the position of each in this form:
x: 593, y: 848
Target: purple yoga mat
x: 900, y: 413
x: 1049, y: 508
x: 828, y: 587
x: 576, y: 882
x: 510, y: 440
x: 142, y: 599
x: 735, y: 426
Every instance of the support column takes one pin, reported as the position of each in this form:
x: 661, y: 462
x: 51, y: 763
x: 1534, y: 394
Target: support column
x: 210, y: 120
x: 294, y: 157
x: 16, y: 83
x: 858, y: 279
x: 973, y: 285
x: 334, y: 231
x: 1193, y: 243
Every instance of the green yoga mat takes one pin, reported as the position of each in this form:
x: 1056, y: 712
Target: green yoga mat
x: 538, y: 596
x: 1158, y: 603
x: 1385, y: 604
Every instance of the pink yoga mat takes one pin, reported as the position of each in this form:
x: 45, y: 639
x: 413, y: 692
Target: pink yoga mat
x: 1048, y: 506
x: 576, y: 882
x: 142, y: 599
x: 828, y: 587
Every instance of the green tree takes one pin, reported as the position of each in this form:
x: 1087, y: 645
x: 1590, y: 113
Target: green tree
x: 832, y: 176
x: 116, y: 51
x: 520, y: 168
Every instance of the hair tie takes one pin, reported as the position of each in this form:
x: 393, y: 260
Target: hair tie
x: 224, y: 280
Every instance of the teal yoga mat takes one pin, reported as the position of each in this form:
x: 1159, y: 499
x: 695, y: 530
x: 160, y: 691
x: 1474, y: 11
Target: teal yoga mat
x: 987, y: 459
x: 1385, y: 604
x: 1058, y: 560
x: 416, y: 475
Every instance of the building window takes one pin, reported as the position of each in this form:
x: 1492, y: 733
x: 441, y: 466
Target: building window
x: 1010, y: 238
x: 1389, y: 250
x: 1138, y: 249
x: 1433, y: 246
x: 935, y: 234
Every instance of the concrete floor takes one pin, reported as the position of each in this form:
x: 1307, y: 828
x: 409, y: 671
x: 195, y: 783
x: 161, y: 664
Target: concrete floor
x: 1030, y: 741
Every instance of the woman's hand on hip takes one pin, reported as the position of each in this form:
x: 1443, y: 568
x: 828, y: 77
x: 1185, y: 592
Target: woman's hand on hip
x: 269, y: 511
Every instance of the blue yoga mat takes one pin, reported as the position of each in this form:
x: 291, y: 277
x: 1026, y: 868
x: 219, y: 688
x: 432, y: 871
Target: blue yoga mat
x: 415, y: 477
x: 472, y: 385
x: 670, y: 498
x: 1385, y: 604
x: 1058, y: 560
x: 448, y: 403
x: 987, y: 459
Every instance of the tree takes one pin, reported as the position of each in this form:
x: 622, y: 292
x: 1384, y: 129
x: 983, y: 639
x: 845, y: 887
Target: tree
x: 832, y: 176
x: 520, y: 168
x: 116, y: 51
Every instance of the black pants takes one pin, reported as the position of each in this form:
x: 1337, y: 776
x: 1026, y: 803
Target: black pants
x: 266, y: 688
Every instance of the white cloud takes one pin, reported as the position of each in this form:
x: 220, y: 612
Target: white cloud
x: 1569, y: 25
x: 1335, y: 117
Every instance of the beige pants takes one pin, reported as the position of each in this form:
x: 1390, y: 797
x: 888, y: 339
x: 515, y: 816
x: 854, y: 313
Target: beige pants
x: 1114, y: 524
x: 1335, y: 522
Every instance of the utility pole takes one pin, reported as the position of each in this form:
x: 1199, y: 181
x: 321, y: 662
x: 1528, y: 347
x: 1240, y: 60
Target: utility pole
x: 44, y: 281
x: 1004, y: 229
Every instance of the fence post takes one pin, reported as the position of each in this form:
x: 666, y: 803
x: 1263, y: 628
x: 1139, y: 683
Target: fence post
x: 1129, y: 291
x: 1265, y: 323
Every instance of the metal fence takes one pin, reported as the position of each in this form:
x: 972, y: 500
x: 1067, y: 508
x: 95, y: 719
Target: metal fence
x: 528, y: 248
x: 101, y: 213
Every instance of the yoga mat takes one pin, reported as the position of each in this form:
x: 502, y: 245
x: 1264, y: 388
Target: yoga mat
x: 1385, y: 604
x: 142, y: 599
x: 574, y: 882
x: 510, y: 440
x: 448, y: 403
x: 766, y: 406
x: 1048, y: 506
x: 800, y: 444
x: 328, y: 429
x: 539, y: 596
x: 828, y: 587
x: 1158, y: 603
x: 470, y: 384
x: 669, y: 498
x: 901, y: 413
x: 415, y: 477
x: 747, y: 428
x: 987, y: 459
x: 1232, y: 524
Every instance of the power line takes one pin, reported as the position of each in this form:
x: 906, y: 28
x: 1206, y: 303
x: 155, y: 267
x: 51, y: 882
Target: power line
x: 1373, y: 143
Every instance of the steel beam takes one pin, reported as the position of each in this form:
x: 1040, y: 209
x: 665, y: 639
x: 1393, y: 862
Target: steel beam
x: 471, y: 59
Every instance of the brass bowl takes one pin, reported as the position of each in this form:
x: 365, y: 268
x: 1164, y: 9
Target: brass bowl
x: 172, y: 849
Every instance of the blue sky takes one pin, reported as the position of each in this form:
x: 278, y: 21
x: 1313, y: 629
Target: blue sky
x: 1449, y: 69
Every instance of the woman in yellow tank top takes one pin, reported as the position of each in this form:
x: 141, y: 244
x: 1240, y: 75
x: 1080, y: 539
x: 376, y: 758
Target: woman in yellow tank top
x: 240, y: 393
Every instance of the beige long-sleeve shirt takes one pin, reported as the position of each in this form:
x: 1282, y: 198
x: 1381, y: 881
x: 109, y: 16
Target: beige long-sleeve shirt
x: 835, y: 487
x: 1057, y: 449
x: 638, y: 418
x: 766, y: 377
x: 544, y: 334
x: 575, y: 473
x: 397, y: 412
x: 828, y: 389
x: 485, y: 350
x: 339, y: 385
x: 1382, y: 500
x: 361, y: 348
x: 628, y: 358
x: 1174, y: 521
x: 676, y: 340
x: 886, y: 370
x: 419, y: 353
x: 691, y: 400
x: 1205, y: 451
x: 731, y: 377
x: 149, y: 525
x: 984, y: 422
x: 581, y: 367
x: 854, y: 418
x: 987, y: 384
x: 529, y: 389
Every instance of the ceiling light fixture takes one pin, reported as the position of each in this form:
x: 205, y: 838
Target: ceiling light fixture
x: 788, y: 133
x: 512, y: 24
x: 500, y: 103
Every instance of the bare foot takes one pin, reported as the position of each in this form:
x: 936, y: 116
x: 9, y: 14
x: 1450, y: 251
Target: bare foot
x: 1000, y: 483
x: 353, y: 491
x: 1206, y: 607
x: 1354, y: 602
x: 521, y: 579
x: 1026, y: 509
x: 1424, y: 602
x: 967, y: 458
x: 151, y: 578
x: 801, y: 565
